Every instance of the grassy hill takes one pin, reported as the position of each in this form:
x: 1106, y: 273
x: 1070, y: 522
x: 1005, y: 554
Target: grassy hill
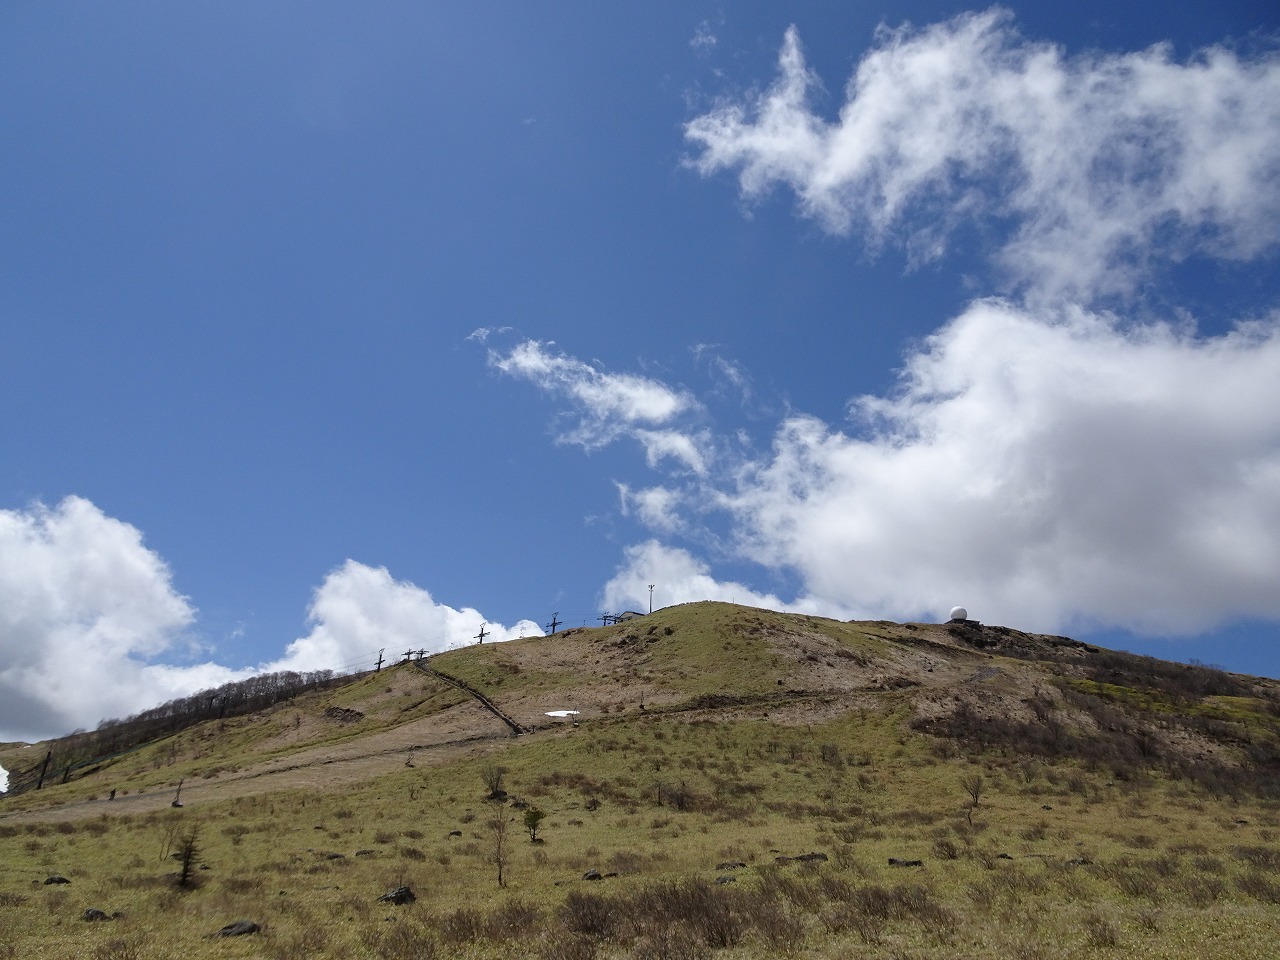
x: 744, y: 783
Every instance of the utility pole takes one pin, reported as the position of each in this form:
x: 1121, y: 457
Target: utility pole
x: 408, y: 655
x: 378, y: 669
x: 651, y: 586
x: 551, y: 627
x: 482, y: 634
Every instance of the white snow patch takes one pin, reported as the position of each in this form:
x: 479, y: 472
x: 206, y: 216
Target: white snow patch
x: 562, y: 713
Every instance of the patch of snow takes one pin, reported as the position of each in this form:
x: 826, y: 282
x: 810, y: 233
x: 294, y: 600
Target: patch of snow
x: 4, y: 779
x: 562, y: 713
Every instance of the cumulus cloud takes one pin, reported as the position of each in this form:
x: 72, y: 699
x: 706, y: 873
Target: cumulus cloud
x: 358, y: 609
x: 85, y: 607
x: 1043, y: 461
x: 680, y: 577
x: 1091, y: 158
x: 609, y: 405
x: 88, y: 611
x: 1048, y: 474
x: 1055, y: 472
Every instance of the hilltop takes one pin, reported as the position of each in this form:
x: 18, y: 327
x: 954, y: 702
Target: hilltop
x: 1110, y: 798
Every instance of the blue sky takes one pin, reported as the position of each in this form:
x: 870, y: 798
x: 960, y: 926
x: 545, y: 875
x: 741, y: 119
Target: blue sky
x: 328, y: 333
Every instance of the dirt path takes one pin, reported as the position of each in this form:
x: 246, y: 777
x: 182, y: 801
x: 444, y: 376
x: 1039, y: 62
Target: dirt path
x: 461, y: 731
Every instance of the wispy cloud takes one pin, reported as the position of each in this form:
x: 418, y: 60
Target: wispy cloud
x: 609, y: 405
x: 704, y: 36
x: 1041, y: 460
x: 1092, y: 158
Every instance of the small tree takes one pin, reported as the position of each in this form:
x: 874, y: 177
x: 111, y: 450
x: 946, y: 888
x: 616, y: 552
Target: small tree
x: 499, y: 854
x: 493, y: 776
x: 533, y: 818
x: 188, y: 856
x: 973, y: 787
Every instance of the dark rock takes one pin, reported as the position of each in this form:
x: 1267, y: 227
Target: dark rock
x: 896, y: 862
x: 455, y: 833
x: 239, y: 929
x: 731, y: 865
x: 366, y: 853
x: 726, y: 879
x: 399, y: 896
x: 1003, y: 856
x: 93, y: 913
x: 592, y: 874
x: 343, y: 714
x: 1079, y: 862
x: 812, y: 858
x: 55, y: 879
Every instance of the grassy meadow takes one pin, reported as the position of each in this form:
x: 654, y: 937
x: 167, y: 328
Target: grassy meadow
x: 752, y: 808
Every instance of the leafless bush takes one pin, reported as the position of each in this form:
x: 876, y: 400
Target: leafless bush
x: 675, y: 942
x: 1101, y: 931
x: 569, y: 948
x: 119, y: 948
x: 946, y: 849
x: 589, y: 914
x: 780, y: 928
x: 516, y: 920
x: 461, y: 926
x: 406, y: 940
x: 1262, y: 858
x: 1257, y: 885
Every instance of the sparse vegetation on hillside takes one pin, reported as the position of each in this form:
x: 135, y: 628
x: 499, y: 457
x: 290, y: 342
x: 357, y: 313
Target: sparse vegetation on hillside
x: 829, y: 805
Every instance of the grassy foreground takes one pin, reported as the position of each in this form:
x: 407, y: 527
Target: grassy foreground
x: 741, y: 830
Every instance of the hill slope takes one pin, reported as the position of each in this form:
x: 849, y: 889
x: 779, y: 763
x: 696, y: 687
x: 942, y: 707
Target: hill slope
x: 1133, y: 799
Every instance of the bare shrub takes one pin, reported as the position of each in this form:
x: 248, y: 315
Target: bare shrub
x: 119, y: 948
x: 515, y: 920
x: 589, y: 914
x: 463, y: 925
x: 405, y: 940
x: 973, y: 785
x: 1257, y: 885
x: 569, y: 948
x: 946, y: 849
x: 1203, y: 891
x: 780, y: 928
x: 675, y: 942
x: 1101, y: 931
x: 1261, y: 858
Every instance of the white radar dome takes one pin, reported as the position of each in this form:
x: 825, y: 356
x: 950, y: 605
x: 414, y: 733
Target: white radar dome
x: 959, y: 613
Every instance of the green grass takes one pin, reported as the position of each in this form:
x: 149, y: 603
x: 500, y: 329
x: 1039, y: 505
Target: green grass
x: 1057, y: 858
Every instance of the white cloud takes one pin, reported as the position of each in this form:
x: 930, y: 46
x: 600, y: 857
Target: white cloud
x: 610, y: 405
x: 86, y: 610
x: 656, y: 507
x: 84, y: 605
x: 704, y: 36
x: 359, y: 609
x: 1044, y: 474
x: 679, y: 577
x: 1092, y: 158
